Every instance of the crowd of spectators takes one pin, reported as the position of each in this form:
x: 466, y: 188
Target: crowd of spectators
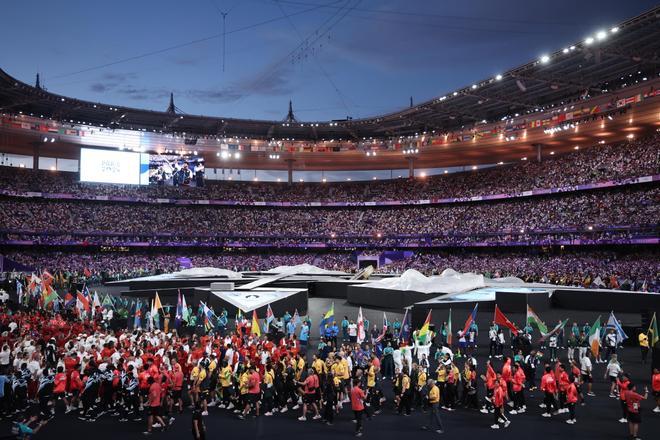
x: 599, y: 163
x: 638, y: 270
x: 637, y: 206
x: 542, y: 238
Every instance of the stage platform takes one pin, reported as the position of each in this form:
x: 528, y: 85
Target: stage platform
x: 384, y: 298
x: 552, y: 303
x: 281, y: 300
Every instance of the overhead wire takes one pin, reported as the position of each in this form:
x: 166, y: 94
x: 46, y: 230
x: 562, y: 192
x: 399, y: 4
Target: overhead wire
x: 182, y: 45
x: 318, y: 63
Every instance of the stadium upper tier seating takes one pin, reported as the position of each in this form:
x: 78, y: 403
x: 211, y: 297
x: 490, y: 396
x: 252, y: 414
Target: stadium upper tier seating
x: 636, y: 206
x: 596, y: 164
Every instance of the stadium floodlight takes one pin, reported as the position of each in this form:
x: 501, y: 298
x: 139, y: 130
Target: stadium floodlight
x: 572, y: 48
x: 52, y: 140
x: 474, y: 86
x: 446, y: 171
x: 589, y: 41
x: 545, y: 59
x: 601, y: 35
x: 498, y: 77
x: 474, y: 167
x: 237, y: 155
x: 565, y: 50
x: 614, y: 30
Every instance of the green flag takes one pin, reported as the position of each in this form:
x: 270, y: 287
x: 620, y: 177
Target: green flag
x: 533, y: 319
x: 653, y: 331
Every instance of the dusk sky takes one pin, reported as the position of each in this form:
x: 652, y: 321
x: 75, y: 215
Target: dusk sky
x: 332, y: 58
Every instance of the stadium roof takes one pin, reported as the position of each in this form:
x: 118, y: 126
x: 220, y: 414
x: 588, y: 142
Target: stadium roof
x: 587, y: 68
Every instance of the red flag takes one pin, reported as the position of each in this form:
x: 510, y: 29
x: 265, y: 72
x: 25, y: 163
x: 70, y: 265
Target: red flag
x: 500, y: 319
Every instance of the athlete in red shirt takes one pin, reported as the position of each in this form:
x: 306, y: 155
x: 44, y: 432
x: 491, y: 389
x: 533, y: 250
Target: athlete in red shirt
x: 357, y: 405
x: 499, y: 398
x: 549, y: 388
x: 655, y: 386
x: 633, y: 401
x: 571, y: 400
x: 311, y: 386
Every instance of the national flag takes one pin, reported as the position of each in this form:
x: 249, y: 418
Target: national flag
x: 137, y: 319
x: 107, y: 301
x: 406, y: 325
x: 82, y: 301
x: 652, y: 332
x: 327, y: 318
x: 96, y: 302
x: 34, y: 282
x: 270, y: 316
x: 209, y: 317
x: 449, y: 333
x: 384, y: 329
x: 425, y: 330
x: 361, y: 334
x: 46, y: 278
x: 255, y: 323
x: 612, y: 322
x: 49, y: 295
x: 152, y: 312
x: 178, y: 315
x: 157, y: 304
x: 594, y: 337
x: 533, y: 319
x: 69, y: 300
x: 19, y: 291
x: 558, y: 327
x: 501, y: 319
x: 185, y: 314
x: 239, y: 317
x: 470, y: 319
x: 296, y: 318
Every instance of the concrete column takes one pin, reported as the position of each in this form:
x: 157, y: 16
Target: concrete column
x: 411, y: 167
x: 289, y: 164
x: 36, y: 151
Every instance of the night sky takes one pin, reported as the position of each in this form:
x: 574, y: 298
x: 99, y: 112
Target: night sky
x: 332, y: 58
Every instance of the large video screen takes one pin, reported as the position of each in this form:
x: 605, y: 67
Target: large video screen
x: 108, y: 166
x: 176, y: 170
